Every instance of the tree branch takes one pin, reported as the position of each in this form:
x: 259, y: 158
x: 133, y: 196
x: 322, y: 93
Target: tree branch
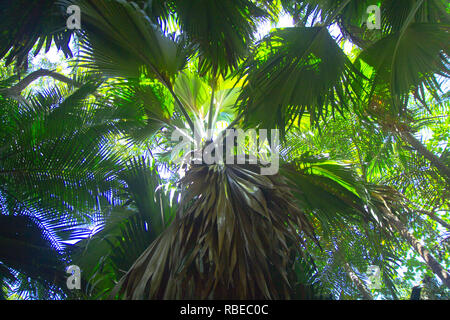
x: 421, y: 149
x: 418, y: 246
x: 433, y: 216
x: 17, y: 89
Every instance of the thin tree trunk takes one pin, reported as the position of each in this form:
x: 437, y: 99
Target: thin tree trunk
x: 211, y: 106
x: 435, y: 161
x: 433, y: 216
x: 15, y: 90
x: 367, y: 295
x: 420, y: 248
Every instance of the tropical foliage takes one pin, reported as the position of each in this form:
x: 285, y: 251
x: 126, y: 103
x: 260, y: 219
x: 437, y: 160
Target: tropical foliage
x: 90, y: 174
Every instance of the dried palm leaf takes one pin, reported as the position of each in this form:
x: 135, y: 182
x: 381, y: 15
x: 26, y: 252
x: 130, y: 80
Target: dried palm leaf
x: 232, y: 239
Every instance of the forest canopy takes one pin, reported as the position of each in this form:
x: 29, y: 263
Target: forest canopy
x: 121, y: 151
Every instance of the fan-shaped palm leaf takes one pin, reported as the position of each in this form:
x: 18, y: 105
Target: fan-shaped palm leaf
x: 39, y: 22
x: 120, y: 41
x: 294, y: 71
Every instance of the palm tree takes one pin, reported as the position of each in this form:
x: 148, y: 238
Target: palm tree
x: 169, y: 65
x: 56, y: 169
x: 126, y: 230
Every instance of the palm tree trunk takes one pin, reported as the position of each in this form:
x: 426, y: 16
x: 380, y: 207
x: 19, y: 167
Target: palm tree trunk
x: 434, y: 217
x: 367, y: 295
x: 435, y: 161
x: 420, y: 248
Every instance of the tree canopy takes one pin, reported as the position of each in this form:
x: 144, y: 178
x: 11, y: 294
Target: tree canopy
x: 91, y: 175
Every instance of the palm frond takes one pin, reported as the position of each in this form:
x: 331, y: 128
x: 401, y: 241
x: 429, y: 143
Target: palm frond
x: 120, y: 41
x: 411, y: 59
x: 293, y: 72
x: 222, y: 30
x: 126, y: 230
x: 209, y: 250
x: 38, y: 23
